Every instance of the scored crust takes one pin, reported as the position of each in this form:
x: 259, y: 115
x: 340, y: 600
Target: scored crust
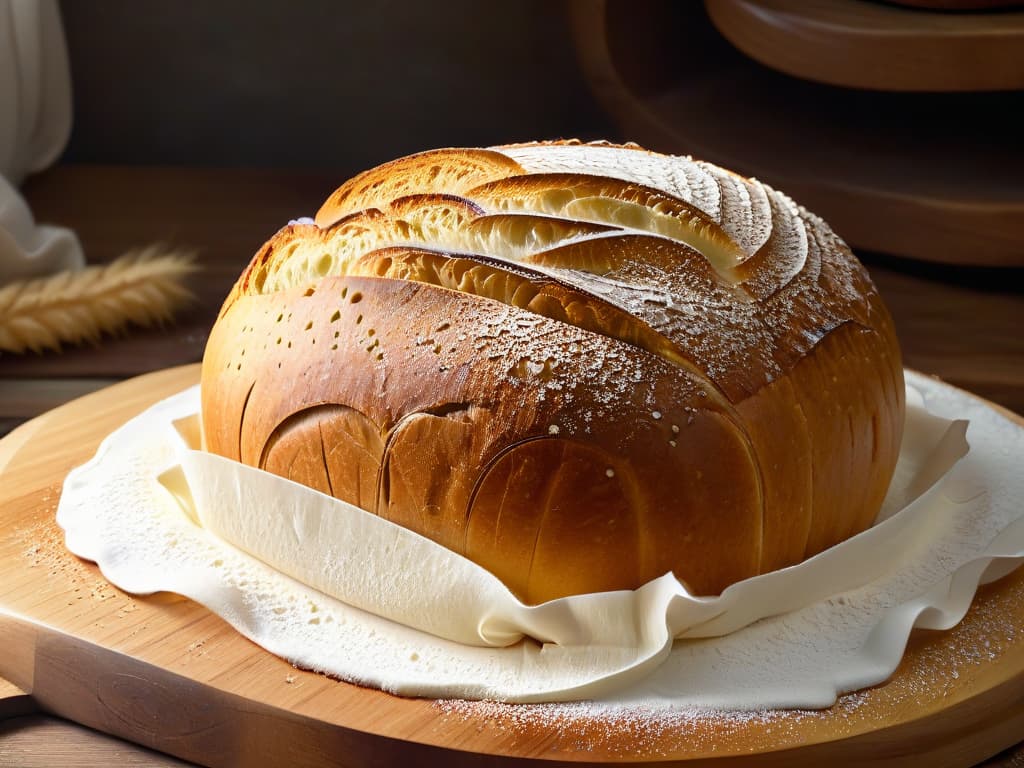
x: 581, y: 366
x: 447, y: 171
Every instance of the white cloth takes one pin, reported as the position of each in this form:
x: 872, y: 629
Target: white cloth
x: 35, y: 121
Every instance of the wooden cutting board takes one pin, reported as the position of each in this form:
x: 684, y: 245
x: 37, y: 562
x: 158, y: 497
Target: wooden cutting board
x: 164, y: 672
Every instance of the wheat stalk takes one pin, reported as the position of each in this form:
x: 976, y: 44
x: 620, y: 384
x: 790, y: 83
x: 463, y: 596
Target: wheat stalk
x: 142, y: 287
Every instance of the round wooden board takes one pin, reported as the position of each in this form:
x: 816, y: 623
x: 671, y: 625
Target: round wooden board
x: 164, y: 672
x: 934, y: 177
x: 858, y: 44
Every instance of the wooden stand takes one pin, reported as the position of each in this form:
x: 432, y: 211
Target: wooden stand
x: 935, y: 177
x: 164, y: 672
x: 865, y: 44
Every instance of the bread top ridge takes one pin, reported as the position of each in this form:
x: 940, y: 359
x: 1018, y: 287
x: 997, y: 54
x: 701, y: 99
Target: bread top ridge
x: 736, y: 280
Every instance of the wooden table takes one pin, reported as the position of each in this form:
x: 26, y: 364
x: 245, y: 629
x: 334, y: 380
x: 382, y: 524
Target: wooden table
x: 961, y: 324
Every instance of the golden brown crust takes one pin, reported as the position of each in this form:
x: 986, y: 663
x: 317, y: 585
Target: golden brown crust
x: 577, y: 374
x: 459, y: 415
x: 441, y: 170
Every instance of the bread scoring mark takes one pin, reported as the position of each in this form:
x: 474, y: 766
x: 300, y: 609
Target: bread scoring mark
x: 437, y: 171
x: 605, y: 200
x: 515, y: 236
x: 804, y: 425
x: 457, y: 411
x: 485, y: 471
x: 437, y: 421
x: 323, y: 456
x: 545, y: 506
x: 241, y: 418
x: 782, y: 257
x: 736, y: 210
x: 519, y: 492
x: 441, y: 205
x: 306, y: 417
x: 875, y: 439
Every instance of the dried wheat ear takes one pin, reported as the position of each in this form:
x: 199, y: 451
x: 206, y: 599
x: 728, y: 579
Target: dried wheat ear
x: 143, y: 288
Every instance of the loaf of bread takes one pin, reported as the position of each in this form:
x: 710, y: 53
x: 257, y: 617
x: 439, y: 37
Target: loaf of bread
x: 579, y: 365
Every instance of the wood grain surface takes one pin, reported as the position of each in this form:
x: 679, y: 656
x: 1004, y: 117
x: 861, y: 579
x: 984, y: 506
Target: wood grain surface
x: 858, y: 44
x: 37, y: 741
x: 933, y: 177
x: 165, y: 673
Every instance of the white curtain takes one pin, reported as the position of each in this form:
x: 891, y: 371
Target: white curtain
x: 35, y: 121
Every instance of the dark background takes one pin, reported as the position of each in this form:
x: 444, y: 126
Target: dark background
x: 316, y: 83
